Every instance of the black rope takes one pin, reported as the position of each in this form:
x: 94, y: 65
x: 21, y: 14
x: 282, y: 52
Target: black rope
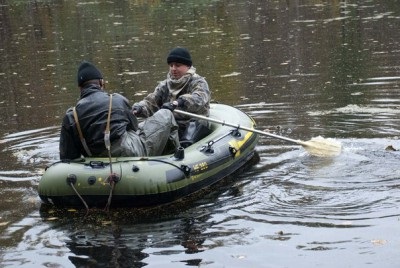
x: 156, y: 160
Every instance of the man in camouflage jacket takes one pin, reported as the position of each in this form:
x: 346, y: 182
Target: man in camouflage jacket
x: 183, y: 89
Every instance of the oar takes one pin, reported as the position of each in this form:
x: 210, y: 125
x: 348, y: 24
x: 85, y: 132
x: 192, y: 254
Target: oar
x: 316, y: 146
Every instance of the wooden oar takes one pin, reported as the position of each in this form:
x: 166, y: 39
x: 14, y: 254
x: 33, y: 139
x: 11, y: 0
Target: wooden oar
x: 316, y: 146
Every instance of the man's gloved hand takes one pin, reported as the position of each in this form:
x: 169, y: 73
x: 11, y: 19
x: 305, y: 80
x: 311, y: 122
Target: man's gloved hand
x: 137, y: 110
x: 169, y: 106
x: 179, y: 102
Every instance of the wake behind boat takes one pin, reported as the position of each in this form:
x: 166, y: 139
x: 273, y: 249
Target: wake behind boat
x: 149, y: 181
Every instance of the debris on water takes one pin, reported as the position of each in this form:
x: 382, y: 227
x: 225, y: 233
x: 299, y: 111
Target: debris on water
x: 240, y: 257
x: 3, y: 223
x: 378, y: 242
x: 390, y: 148
x: 52, y: 218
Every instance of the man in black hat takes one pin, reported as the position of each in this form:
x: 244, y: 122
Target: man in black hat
x: 183, y: 89
x: 88, y: 130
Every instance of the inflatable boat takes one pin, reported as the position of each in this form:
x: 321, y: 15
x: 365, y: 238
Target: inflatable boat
x: 150, y: 181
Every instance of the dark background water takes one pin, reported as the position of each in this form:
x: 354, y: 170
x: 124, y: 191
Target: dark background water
x: 302, y: 68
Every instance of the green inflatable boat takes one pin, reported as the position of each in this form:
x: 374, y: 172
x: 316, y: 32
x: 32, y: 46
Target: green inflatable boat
x: 150, y: 181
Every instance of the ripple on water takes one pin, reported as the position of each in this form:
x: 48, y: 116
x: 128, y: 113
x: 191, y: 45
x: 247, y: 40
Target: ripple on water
x: 350, y: 190
x: 26, y: 153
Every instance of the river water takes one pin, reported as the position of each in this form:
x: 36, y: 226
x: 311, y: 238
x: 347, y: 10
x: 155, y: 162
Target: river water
x: 302, y: 69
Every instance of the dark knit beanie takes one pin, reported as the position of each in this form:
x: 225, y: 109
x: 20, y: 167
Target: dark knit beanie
x: 88, y: 71
x: 180, y: 55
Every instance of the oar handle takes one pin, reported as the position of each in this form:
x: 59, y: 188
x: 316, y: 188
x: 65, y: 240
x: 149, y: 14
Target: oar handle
x: 223, y: 122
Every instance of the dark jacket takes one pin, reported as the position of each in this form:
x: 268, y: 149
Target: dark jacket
x: 92, y: 109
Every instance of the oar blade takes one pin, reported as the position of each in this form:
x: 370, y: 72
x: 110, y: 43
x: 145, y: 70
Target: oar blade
x: 320, y: 146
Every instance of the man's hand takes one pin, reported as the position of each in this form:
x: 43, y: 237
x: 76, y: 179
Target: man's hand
x: 179, y: 102
x: 137, y: 110
x: 168, y: 105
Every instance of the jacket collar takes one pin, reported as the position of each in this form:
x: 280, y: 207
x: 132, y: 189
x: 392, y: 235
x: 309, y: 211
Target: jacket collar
x: 90, y: 89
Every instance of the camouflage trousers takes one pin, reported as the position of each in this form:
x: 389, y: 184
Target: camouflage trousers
x: 157, y: 135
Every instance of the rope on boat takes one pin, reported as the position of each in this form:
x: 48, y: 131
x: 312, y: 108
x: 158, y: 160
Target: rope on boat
x: 113, y: 179
x: 107, y: 143
x: 107, y: 207
x: 80, y: 197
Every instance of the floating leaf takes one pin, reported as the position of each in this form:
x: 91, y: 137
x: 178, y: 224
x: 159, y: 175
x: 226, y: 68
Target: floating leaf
x: 378, y: 242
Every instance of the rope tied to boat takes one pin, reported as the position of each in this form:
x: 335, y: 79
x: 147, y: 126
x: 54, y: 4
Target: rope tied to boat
x: 71, y: 180
x: 113, y: 178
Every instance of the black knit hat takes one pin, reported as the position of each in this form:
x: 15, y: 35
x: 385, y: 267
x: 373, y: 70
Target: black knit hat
x: 180, y: 55
x: 88, y: 71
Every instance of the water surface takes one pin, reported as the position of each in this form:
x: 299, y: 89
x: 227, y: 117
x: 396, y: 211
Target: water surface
x: 302, y: 69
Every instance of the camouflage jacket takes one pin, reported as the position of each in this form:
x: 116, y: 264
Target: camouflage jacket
x: 192, y: 89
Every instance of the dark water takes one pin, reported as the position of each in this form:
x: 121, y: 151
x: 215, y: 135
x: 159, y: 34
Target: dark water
x: 301, y: 68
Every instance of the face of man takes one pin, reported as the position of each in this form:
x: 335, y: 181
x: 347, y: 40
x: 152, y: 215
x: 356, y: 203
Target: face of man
x: 177, y: 70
